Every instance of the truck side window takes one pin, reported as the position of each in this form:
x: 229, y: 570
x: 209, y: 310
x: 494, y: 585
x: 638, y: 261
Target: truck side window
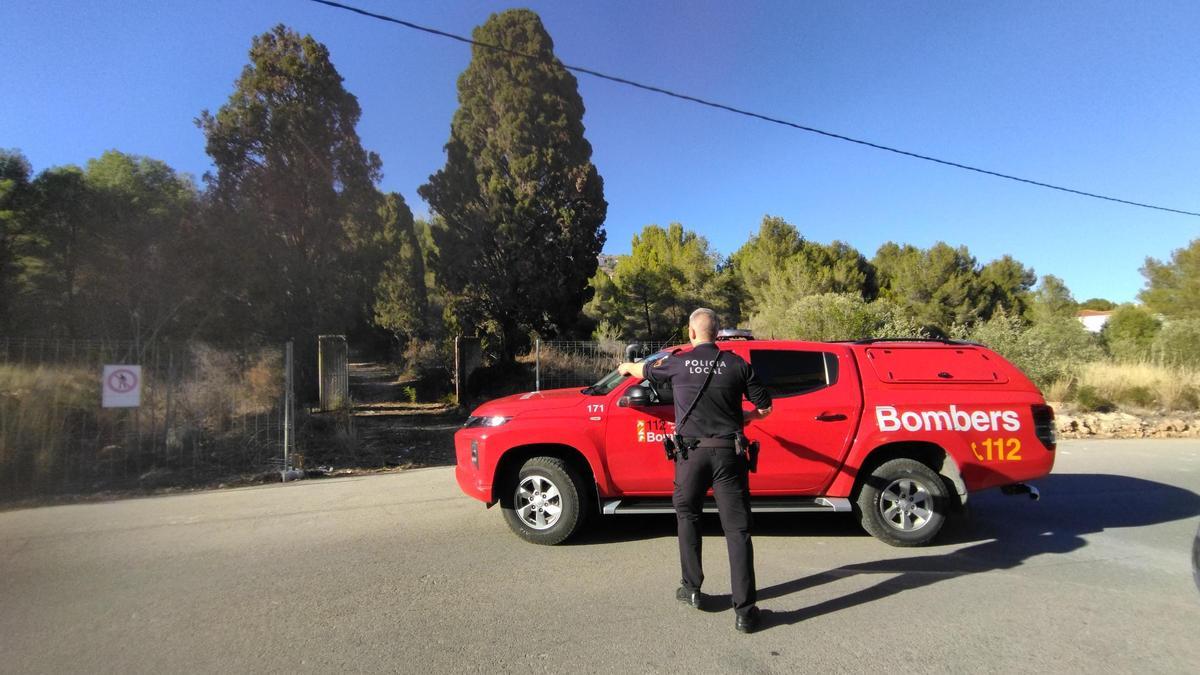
x: 664, y: 393
x: 787, y: 372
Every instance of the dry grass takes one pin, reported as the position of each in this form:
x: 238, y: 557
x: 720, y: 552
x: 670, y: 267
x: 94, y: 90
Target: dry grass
x: 569, y: 369
x: 1136, y: 385
x: 54, y: 434
x: 36, y: 405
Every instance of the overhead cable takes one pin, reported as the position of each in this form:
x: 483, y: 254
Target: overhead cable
x: 747, y: 113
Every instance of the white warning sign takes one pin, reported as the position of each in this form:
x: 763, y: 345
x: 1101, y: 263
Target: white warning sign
x: 122, y: 386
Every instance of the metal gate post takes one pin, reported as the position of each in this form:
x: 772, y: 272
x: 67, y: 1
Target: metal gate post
x: 287, y: 405
x: 537, y: 365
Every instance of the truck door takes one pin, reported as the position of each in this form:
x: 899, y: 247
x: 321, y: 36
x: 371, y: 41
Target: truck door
x: 637, y: 462
x: 816, y: 407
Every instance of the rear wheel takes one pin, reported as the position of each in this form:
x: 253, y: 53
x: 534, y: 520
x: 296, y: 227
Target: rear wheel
x: 903, y: 503
x: 547, y: 501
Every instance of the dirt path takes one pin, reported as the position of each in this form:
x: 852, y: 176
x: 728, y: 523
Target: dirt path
x: 393, y: 432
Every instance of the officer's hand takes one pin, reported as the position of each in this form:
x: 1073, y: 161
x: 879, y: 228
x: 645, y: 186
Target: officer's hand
x: 758, y: 414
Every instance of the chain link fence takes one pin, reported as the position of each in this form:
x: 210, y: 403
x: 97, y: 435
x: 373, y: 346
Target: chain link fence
x: 574, y: 363
x: 205, y: 414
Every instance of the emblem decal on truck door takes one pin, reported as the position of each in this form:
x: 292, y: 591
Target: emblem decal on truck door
x: 653, y: 431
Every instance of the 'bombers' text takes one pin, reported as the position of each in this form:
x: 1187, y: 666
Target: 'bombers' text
x: 889, y: 419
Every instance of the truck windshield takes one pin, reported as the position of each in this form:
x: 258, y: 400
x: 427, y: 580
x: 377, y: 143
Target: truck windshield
x: 611, y: 380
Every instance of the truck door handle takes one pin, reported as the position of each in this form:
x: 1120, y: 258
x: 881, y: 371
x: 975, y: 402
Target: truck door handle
x: 830, y: 417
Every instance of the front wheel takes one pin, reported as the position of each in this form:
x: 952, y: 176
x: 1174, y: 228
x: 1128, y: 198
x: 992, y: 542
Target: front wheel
x: 903, y: 503
x: 547, y: 501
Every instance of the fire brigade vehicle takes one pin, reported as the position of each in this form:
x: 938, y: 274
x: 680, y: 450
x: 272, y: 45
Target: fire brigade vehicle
x: 898, y: 432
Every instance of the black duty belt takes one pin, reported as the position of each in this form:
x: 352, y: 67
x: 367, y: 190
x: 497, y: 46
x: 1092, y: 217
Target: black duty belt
x: 711, y: 442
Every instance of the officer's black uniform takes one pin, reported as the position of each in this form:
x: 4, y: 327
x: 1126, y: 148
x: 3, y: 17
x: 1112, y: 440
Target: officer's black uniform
x: 714, y: 422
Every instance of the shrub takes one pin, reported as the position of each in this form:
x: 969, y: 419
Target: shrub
x: 1129, y: 333
x: 1089, y: 399
x: 1178, y: 343
x: 1051, y: 350
x: 1139, y: 396
x: 432, y: 363
x: 836, y: 316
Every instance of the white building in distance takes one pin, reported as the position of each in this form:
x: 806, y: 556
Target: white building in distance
x: 1092, y: 319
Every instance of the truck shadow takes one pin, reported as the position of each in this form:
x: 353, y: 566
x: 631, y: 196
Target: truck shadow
x: 996, y: 533
x: 1009, y: 532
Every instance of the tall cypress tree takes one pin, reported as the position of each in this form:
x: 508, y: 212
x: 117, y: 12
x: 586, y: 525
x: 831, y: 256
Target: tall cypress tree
x: 401, y: 298
x: 522, y: 202
x: 294, y: 197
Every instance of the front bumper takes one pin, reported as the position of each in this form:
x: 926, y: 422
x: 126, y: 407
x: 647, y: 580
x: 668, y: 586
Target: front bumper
x: 471, y: 480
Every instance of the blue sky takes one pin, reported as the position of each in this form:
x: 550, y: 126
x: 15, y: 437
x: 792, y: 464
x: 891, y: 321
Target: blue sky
x: 1101, y: 96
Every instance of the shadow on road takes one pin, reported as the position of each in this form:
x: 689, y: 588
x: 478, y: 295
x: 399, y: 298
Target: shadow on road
x: 1002, y: 533
x: 1012, y: 531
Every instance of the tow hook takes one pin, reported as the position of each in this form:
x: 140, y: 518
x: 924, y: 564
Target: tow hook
x: 1022, y: 489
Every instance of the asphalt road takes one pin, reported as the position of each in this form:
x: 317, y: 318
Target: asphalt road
x: 403, y: 573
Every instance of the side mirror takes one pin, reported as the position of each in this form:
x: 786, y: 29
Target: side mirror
x: 635, y: 397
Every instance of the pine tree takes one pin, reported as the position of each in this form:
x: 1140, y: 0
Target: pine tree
x: 522, y: 203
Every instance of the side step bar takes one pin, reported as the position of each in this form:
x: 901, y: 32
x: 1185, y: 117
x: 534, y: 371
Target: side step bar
x: 762, y: 505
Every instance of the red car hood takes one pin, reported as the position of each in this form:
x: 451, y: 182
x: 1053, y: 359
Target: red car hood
x: 550, y: 399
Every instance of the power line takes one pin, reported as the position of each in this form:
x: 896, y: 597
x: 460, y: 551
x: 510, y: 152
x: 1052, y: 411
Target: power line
x: 748, y: 113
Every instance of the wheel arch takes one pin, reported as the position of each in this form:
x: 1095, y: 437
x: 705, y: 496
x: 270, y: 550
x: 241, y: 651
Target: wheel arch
x: 512, y: 460
x: 930, y: 454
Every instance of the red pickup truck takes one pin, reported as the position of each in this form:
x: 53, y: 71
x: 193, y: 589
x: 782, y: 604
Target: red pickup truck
x: 899, y: 432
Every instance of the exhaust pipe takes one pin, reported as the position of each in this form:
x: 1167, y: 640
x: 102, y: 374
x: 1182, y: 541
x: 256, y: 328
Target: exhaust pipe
x: 1022, y: 489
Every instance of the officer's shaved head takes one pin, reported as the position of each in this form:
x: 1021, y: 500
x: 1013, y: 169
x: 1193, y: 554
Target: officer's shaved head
x: 706, y: 324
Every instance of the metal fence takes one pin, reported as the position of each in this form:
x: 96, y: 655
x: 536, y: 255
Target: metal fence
x: 570, y: 363
x: 204, y: 414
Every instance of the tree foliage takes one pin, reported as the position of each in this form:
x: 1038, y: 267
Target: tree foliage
x: 777, y: 266
x: 522, y: 203
x: 1173, y: 288
x: 670, y: 272
x: 1130, y: 332
x: 144, y: 212
x: 401, y: 299
x: 1006, y: 283
x: 763, y: 255
x: 937, y: 287
x: 1048, y: 351
x: 1052, y: 300
x: 1178, y: 343
x: 834, y: 316
x: 1098, y: 304
x: 16, y: 196
x: 293, y: 202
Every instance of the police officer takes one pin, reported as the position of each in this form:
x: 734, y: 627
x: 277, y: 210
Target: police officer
x: 710, y: 457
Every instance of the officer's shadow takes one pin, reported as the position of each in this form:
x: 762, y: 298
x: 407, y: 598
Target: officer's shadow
x: 1014, y: 530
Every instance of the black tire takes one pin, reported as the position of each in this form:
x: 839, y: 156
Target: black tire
x: 903, y: 503
x: 542, y: 485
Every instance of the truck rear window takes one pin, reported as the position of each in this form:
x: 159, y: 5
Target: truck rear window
x: 786, y: 372
x: 943, y: 365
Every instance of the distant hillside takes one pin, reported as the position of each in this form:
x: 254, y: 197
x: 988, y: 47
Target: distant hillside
x: 608, y: 263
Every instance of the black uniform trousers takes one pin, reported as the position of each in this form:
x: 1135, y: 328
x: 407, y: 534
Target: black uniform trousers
x: 725, y: 472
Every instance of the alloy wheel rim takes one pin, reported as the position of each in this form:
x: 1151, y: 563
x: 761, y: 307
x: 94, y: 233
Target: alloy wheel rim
x: 906, y: 505
x: 538, y: 502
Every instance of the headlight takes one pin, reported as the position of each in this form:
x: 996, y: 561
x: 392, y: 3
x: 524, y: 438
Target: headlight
x: 489, y: 421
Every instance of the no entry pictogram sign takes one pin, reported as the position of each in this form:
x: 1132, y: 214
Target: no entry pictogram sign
x: 122, y: 386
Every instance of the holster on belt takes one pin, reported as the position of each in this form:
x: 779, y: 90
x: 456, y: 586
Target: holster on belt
x: 677, y: 446
x: 748, y: 449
